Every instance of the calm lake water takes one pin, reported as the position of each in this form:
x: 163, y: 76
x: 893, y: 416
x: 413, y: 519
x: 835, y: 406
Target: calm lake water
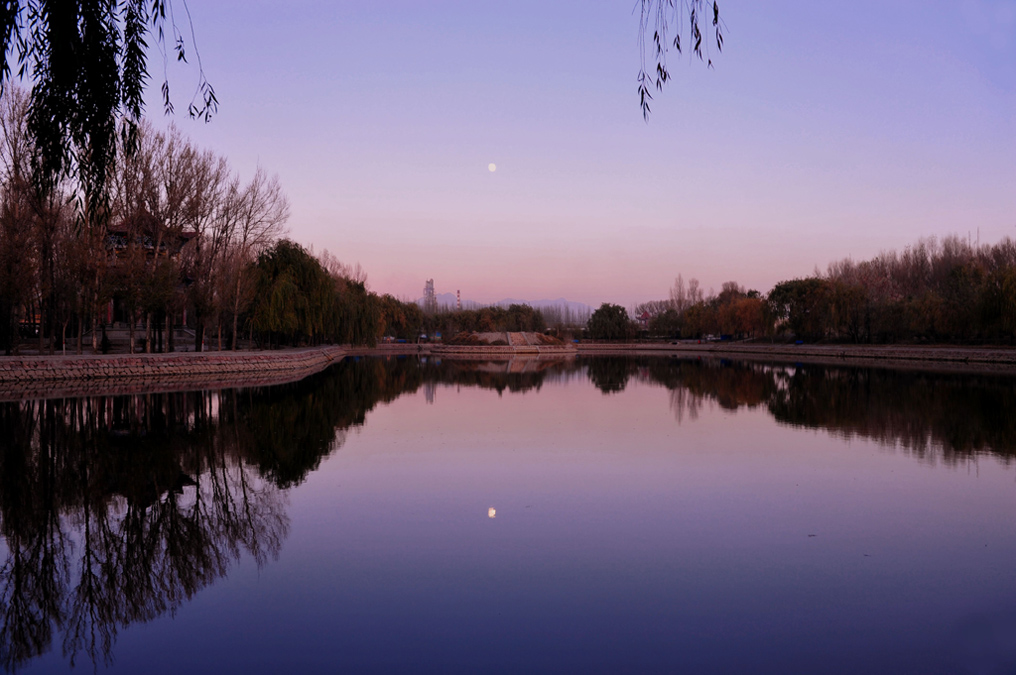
x: 601, y: 515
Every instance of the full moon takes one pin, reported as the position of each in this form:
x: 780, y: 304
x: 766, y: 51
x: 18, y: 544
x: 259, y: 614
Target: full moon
x: 492, y: 167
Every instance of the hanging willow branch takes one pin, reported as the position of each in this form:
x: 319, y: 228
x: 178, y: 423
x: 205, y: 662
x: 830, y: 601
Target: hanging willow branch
x: 666, y: 17
x: 88, y: 66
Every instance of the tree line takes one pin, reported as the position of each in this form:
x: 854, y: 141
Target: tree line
x: 515, y: 317
x: 951, y: 291
x: 177, y: 236
x: 180, y: 242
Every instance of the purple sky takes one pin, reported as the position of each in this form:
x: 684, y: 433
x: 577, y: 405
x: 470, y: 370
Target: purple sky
x: 826, y: 129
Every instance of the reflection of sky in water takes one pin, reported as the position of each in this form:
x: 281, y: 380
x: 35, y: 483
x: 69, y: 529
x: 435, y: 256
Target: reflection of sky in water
x: 623, y: 540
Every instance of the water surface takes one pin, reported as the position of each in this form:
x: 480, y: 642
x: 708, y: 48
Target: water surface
x: 594, y: 515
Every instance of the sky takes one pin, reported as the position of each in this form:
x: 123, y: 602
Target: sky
x: 824, y: 130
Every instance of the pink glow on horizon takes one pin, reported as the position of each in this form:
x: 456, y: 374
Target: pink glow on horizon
x: 820, y: 134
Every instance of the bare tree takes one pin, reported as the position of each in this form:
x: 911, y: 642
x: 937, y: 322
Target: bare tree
x: 340, y: 270
x: 682, y: 297
x: 17, y: 262
x: 261, y: 210
x: 205, y: 256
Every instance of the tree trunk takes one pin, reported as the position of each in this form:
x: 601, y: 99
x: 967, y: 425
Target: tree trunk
x: 131, y: 331
x: 170, y: 342
x: 148, y: 333
x: 220, y: 336
x: 236, y: 307
x: 95, y: 315
x: 42, y: 332
x: 50, y: 321
x: 6, y: 329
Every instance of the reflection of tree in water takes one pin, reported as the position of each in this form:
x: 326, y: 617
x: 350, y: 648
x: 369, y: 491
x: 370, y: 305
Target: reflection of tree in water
x: 500, y: 376
x: 610, y: 375
x: 684, y: 402
x: 929, y: 414
x: 116, y: 510
x: 729, y: 385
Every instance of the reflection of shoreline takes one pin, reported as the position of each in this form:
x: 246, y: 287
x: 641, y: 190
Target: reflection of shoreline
x: 522, y: 363
x: 121, y: 509
x: 115, y: 510
x: 514, y: 374
x: 933, y: 359
x: 48, y: 377
x: 930, y: 414
x: 496, y: 352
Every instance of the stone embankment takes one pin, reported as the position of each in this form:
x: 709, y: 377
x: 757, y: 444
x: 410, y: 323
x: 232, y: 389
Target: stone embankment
x: 999, y: 359
x: 23, y: 377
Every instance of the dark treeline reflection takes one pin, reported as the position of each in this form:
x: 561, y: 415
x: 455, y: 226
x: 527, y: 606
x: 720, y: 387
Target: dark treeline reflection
x: 515, y: 376
x: 115, y: 510
x: 933, y: 415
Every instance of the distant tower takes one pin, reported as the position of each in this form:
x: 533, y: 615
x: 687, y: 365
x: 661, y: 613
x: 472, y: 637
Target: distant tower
x: 458, y: 300
x: 429, y: 297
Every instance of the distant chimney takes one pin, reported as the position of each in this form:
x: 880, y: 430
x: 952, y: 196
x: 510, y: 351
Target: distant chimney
x: 458, y: 300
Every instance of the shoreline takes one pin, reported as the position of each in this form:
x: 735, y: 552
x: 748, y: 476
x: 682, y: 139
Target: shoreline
x: 59, y: 376
x: 938, y: 358
x: 501, y: 351
x: 68, y: 376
